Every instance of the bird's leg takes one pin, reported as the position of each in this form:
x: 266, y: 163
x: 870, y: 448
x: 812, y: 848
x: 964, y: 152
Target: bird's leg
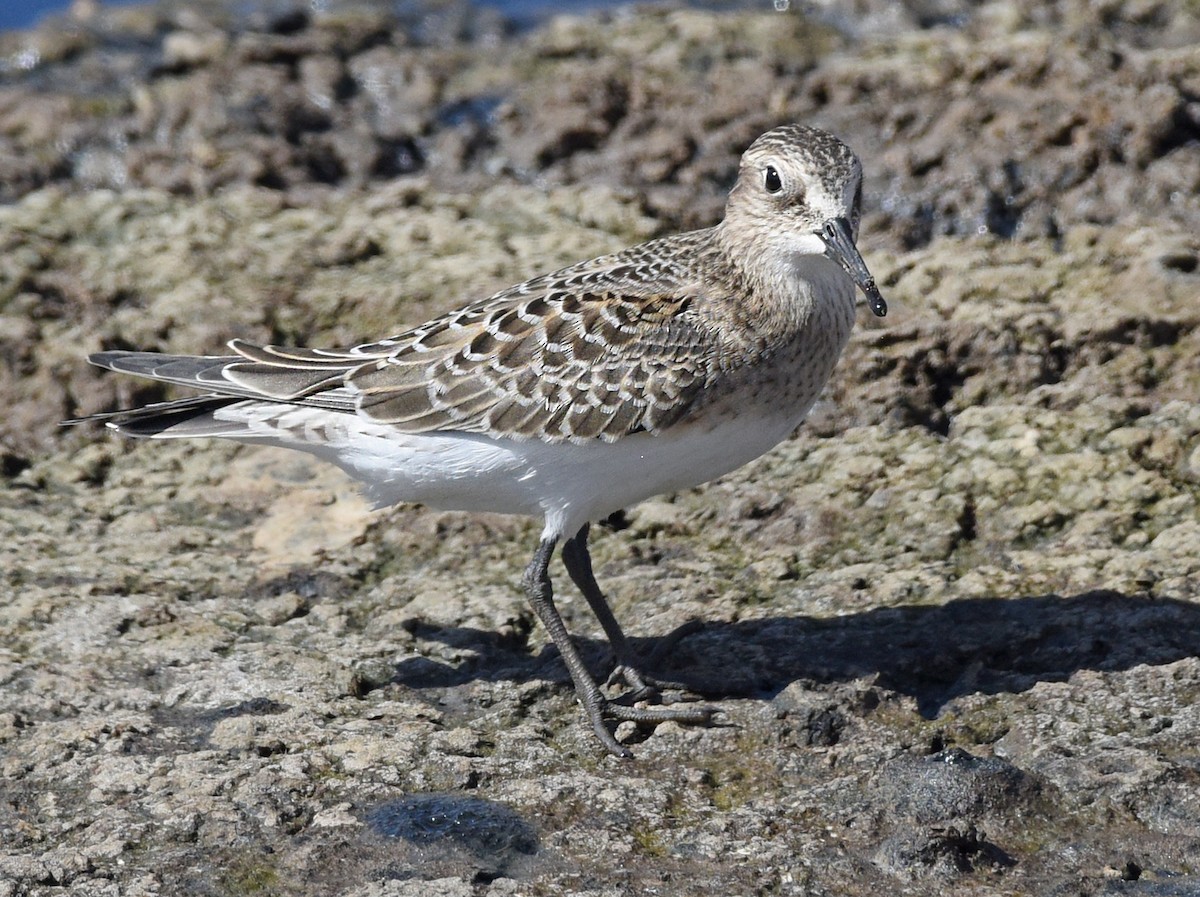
x: 541, y: 596
x: 628, y: 668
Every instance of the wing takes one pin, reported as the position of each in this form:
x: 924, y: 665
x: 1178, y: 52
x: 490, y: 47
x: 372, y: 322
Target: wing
x: 208, y: 372
x: 602, y: 349
x: 599, y: 350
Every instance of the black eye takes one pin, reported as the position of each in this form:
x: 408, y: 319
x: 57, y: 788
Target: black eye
x: 771, y: 179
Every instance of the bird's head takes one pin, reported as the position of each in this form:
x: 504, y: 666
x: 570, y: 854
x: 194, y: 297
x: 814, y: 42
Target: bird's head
x: 799, y: 192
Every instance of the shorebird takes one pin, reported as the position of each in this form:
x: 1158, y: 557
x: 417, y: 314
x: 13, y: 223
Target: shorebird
x: 576, y: 393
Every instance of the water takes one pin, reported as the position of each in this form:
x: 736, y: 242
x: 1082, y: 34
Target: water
x: 27, y: 13
x: 486, y: 836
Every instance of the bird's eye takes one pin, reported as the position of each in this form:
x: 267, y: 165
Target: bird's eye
x: 771, y: 179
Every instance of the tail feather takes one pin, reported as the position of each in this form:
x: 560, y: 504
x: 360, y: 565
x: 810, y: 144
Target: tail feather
x: 166, y: 420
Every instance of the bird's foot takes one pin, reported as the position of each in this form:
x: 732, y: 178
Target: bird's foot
x: 602, y: 710
x: 644, y: 687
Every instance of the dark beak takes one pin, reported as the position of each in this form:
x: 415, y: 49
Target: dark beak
x: 839, y: 246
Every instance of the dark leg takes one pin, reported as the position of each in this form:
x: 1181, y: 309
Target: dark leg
x: 579, y: 565
x: 537, y: 587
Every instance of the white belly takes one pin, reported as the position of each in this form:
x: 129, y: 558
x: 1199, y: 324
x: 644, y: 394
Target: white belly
x: 566, y: 484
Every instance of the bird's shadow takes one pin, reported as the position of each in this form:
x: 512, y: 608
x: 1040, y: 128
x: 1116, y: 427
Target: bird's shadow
x: 932, y: 653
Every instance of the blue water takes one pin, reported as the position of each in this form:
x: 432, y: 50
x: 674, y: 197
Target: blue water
x: 25, y: 13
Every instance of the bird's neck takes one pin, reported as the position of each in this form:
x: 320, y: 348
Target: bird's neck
x: 781, y: 290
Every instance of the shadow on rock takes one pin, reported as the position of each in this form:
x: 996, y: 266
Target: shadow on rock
x: 933, y: 654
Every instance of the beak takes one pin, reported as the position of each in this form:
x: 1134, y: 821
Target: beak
x: 839, y: 246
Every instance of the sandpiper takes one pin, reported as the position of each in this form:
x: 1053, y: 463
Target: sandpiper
x: 577, y: 393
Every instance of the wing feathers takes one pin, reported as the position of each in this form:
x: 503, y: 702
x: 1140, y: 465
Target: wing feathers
x: 598, y: 350
x: 186, y: 370
x: 285, y: 383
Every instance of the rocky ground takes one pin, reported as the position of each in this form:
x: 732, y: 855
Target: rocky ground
x: 955, y: 620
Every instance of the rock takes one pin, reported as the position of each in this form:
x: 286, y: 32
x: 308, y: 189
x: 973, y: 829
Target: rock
x: 951, y: 625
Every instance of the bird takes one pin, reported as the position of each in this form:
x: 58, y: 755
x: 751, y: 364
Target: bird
x: 574, y: 394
